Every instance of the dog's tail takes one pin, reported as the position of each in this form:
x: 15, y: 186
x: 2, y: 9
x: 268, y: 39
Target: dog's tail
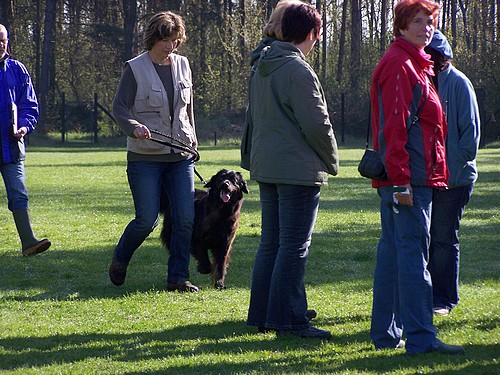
x: 164, y: 202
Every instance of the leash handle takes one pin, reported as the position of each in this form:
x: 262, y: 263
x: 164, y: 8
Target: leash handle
x: 182, y: 146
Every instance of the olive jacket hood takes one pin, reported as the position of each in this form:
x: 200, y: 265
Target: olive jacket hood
x: 292, y: 139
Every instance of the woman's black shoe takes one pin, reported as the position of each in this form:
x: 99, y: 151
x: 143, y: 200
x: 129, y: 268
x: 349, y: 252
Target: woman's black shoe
x: 117, y: 272
x: 310, y: 332
x: 311, y: 314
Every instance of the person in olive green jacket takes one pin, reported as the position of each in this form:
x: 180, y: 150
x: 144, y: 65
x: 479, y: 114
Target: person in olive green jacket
x: 271, y: 33
x: 293, y: 150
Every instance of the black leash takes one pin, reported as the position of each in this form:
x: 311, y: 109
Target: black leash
x: 181, y: 145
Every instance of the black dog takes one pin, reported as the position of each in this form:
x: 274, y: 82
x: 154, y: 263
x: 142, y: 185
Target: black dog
x: 217, y: 212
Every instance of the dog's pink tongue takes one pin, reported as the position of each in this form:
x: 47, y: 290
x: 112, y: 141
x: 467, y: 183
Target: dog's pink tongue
x: 225, y: 197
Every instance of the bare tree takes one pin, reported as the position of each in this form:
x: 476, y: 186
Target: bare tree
x: 6, y: 13
x: 453, y: 16
x: 95, y: 37
x: 383, y: 24
x: 340, y: 61
x: 129, y: 22
x: 47, y: 60
x: 355, y: 45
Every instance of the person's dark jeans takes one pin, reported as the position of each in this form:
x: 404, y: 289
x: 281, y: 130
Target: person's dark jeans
x: 146, y: 180
x: 402, y: 288
x: 447, y: 210
x: 14, y: 177
x: 278, y: 297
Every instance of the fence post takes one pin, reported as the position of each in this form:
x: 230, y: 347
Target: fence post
x: 481, y: 100
x: 95, y: 118
x: 63, y: 117
x: 342, y: 117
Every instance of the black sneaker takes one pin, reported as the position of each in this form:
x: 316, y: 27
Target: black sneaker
x: 400, y: 345
x: 311, y: 314
x: 262, y: 329
x: 441, y: 311
x: 310, y: 332
x: 441, y: 347
x: 182, y: 286
x: 117, y: 272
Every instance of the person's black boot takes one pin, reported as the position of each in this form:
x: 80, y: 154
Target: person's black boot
x: 29, y: 243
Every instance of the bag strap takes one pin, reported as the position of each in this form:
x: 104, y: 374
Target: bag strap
x: 369, y: 126
x: 417, y: 113
x: 414, y: 120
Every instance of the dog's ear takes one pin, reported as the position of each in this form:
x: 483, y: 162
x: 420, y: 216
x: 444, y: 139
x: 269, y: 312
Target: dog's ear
x: 242, y: 183
x: 215, y: 178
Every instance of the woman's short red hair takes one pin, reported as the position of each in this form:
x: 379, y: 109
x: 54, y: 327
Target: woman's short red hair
x: 405, y: 10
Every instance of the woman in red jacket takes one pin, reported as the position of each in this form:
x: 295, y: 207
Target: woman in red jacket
x: 409, y: 130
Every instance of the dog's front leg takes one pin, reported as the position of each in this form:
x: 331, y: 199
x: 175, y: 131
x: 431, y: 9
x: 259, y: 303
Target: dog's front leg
x: 200, y: 253
x: 221, y: 261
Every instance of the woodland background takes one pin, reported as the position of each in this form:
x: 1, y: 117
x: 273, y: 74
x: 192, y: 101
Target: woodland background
x: 75, y: 50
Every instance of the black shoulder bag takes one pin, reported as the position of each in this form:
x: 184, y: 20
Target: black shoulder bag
x: 371, y: 165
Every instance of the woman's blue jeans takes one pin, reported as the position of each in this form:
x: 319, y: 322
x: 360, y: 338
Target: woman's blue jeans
x: 447, y: 209
x: 402, y: 288
x: 14, y: 178
x: 148, y: 181
x: 278, y: 295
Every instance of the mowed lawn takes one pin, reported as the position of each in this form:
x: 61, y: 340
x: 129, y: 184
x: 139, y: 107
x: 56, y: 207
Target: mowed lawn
x: 60, y: 314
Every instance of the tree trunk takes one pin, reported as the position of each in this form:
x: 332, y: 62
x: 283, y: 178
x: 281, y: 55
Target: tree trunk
x: 173, y: 5
x: 271, y: 4
x: 453, y: 23
x: 316, y: 52
x: 324, y: 45
x: 129, y: 21
x: 6, y: 14
x: 355, y: 46
x: 340, y: 60
x: 230, y: 73
x: 383, y: 25
x: 36, y: 39
x: 47, y: 60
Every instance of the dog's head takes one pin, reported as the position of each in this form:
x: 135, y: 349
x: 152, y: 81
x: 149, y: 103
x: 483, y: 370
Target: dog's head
x: 228, y: 185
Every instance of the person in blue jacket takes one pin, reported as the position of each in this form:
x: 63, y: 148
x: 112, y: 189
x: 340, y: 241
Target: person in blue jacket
x: 462, y: 113
x: 18, y: 117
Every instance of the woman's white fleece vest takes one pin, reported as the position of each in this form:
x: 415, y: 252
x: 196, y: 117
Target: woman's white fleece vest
x: 151, y: 107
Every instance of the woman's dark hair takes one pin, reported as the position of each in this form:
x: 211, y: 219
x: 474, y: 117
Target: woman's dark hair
x: 164, y: 25
x: 298, y: 21
x: 405, y: 10
x: 441, y: 62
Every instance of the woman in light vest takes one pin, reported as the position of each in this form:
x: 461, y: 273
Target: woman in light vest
x: 155, y: 93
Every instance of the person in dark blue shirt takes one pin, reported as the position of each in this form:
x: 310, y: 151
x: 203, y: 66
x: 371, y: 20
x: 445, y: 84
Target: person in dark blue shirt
x: 18, y: 117
x: 462, y: 143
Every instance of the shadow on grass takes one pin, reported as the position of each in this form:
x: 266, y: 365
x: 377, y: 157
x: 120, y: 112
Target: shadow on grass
x: 83, y: 272
x: 341, y: 261
x: 202, y: 341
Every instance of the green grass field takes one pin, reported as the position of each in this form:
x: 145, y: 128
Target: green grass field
x: 60, y: 314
